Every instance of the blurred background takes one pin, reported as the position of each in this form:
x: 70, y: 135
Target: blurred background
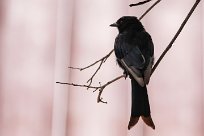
x: 39, y: 39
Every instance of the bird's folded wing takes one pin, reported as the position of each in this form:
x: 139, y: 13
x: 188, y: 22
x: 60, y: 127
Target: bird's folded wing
x: 135, y: 58
x: 148, y: 70
x: 132, y: 62
x: 134, y: 73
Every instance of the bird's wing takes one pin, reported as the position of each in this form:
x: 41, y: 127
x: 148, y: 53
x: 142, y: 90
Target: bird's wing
x: 138, y: 57
x: 133, y: 62
x: 128, y: 51
x: 148, y: 51
x: 135, y: 58
x: 148, y: 70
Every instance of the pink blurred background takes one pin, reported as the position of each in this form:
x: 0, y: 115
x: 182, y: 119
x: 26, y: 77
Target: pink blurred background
x: 39, y: 39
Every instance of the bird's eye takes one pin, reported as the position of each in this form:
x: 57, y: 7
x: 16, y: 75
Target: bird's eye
x: 121, y: 21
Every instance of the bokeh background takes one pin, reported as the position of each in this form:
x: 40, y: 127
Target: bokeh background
x: 39, y: 39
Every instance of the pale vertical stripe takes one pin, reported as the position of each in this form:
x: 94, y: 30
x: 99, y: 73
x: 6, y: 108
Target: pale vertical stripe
x: 92, y: 39
x: 202, y: 94
x: 27, y: 70
x: 62, y: 61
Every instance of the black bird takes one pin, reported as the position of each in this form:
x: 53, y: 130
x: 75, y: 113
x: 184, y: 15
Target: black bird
x: 134, y: 51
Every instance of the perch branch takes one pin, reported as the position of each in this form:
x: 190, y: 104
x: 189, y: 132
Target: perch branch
x: 176, y: 35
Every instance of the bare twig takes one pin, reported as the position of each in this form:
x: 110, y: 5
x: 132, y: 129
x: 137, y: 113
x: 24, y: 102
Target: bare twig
x: 73, y: 84
x: 99, y: 88
x: 99, y: 99
x: 139, y: 3
x: 176, y: 35
x: 149, y: 9
x: 102, y: 60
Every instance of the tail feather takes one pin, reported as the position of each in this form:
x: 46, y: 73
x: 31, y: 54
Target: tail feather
x: 148, y: 121
x: 140, y: 106
x: 133, y: 121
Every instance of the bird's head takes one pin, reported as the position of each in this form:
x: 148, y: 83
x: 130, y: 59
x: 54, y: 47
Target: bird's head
x: 126, y: 22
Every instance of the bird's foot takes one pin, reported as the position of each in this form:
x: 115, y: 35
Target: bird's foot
x: 125, y: 73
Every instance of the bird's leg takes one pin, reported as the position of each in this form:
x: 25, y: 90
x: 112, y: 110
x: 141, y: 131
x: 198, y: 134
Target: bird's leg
x: 125, y: 73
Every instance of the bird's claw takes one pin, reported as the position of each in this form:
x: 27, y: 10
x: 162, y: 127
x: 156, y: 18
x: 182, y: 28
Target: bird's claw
x: 126, y: 74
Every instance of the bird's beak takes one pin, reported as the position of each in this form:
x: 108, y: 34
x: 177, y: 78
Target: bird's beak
x: 114, y: 25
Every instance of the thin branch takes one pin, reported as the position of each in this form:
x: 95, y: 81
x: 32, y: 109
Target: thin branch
x: 91, y: 79
x: 99, y: 99
x: 176, y: 35
x: 139, y: 3
x: 73, y: 84
x: 102, y: 60
x: 149, y: 9
x: 99, y: 88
